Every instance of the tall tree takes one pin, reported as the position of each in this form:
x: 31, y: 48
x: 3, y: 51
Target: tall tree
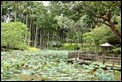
x: 104, y: 11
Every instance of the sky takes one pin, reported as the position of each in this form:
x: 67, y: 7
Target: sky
x: 46, y: 3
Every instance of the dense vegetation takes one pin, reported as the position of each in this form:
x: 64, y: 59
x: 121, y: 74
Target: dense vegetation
x: 51, y: 66
x: 61, y: 25
x: 64, y: 21
x: 14, y: 35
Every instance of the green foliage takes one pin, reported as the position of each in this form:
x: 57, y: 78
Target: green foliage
x: 14, y: 35
x: 102, y: 76
x: 71, y: 46
x: 88, y: 37
x: 116, y: 50
x: 99, y: 35
x: 88, y: 40
x: 103, y: 34
x: 64, y: 20
x: 54, y: 45
x: 49, y: 65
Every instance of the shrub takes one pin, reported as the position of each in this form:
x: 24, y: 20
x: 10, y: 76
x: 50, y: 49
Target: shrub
x: 14, y: 35
x: 71, y: 46
x: 100, y: 35
x: 116, y: 50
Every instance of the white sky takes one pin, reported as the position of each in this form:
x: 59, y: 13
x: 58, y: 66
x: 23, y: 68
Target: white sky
x: 46, y: 3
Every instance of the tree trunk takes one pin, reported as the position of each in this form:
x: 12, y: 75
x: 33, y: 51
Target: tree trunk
x: 40, y: 39
x: 1, y: 10
x: 35, y: 42
x: 47, y: 40
x: 42, y: 33
x: 32, y: 35
x: 16, y: 7
x: 27, y: 20
x: 29, y: 39
x: 113, y: 28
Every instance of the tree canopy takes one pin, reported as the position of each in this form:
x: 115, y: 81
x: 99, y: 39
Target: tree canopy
x: 62, y: 20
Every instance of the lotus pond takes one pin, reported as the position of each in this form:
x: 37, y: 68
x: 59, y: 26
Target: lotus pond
x: 48, y: 65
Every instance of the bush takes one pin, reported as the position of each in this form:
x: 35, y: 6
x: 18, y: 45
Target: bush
x: 14, y: 35
x: 116, y: 50
x: 100, y: 35
x: 71, y: 46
